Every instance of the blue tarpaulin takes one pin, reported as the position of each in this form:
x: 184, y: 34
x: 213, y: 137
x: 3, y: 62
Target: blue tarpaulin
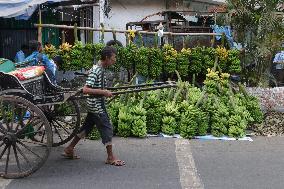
x: 21, y: 9
x: 226, y: 30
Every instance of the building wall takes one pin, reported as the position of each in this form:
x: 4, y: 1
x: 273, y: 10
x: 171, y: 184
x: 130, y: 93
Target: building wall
x: 124, y: 11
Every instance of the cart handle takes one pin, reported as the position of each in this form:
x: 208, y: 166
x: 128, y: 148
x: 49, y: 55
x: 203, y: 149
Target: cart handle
x: 81, y: 74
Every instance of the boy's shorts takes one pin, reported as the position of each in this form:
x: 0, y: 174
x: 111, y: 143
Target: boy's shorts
x: 103, y: 125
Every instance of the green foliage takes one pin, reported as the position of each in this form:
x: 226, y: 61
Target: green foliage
x: 94, y: 135
x: 76, y: 57
x: 261, y: 30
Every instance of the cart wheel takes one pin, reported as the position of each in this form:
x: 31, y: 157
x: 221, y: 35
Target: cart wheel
x: 25, y: 137
x: 64, y: 120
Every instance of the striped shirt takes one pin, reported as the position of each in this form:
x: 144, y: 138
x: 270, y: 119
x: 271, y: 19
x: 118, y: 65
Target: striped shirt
x: 96, y: 79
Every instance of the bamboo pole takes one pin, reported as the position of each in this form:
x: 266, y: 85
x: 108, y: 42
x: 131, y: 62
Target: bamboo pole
x: 123, y: 31
x: 39, y: 34
x: 213, y: 41
x: 75, y: 32
x: 63, y: 36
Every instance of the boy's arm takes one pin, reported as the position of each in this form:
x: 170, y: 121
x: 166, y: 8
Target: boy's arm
x: 91, y: 91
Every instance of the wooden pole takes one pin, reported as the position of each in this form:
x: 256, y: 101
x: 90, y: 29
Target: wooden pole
x: 39, y: 35
x: 63, y: 36
x: 213, y: 41
x: 223, y: 39
x: 75, y: 32
x: 123, y: 31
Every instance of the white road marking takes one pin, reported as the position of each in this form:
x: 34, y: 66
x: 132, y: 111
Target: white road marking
x: 189, y: 178
x: 4, y: 183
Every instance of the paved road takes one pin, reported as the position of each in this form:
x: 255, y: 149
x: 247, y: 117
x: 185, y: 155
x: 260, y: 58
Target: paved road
x: 151, y: 163
x: 240, y: 164
x: 167, y: 164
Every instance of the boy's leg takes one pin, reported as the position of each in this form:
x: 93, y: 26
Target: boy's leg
x: 83, y: 132
x: 106, y: 130
x: 111, y: 159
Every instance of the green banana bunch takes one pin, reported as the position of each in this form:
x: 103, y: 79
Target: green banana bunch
x: 138, y: 111
x: 188, y: 124
x: 234, y: 61
x: 113, y: 110
x: 169, y: 125
x: 142, y: 62
x: 139, y: 128
x: 125, y: 120
x: 171, y: 109
x: 193, y: 94
x: 154, y: 112
x: 154, y: 120
x: 169, y: 59
x: 155, y: 62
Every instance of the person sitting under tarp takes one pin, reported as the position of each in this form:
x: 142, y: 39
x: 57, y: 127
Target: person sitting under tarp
x: 21, y: 54
x: 37, y: 58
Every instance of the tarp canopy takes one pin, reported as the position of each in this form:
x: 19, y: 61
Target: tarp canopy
x: 22, y: 9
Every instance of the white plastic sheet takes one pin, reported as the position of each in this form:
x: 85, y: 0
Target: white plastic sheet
x: 14, y: 8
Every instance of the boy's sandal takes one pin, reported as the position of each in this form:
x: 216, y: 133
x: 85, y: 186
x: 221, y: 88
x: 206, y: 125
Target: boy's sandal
x: 116, y: 162
x: 70, y: 155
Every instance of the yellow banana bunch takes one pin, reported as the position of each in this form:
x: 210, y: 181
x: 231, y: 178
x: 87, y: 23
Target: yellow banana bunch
x: 170, y: 51
x: 49, y: 49
x: 65, y: 47
x: 222, y: 53
x: 225, y: 76
x: 213, y: 75
x: 186, y: 51
x: 131, y: 33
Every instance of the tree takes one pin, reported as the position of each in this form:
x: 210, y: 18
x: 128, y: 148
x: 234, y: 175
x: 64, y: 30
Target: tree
x: 259, y: 28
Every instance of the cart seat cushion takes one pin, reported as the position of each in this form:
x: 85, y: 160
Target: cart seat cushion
x: 6, y: 65
x: 28, y: 72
